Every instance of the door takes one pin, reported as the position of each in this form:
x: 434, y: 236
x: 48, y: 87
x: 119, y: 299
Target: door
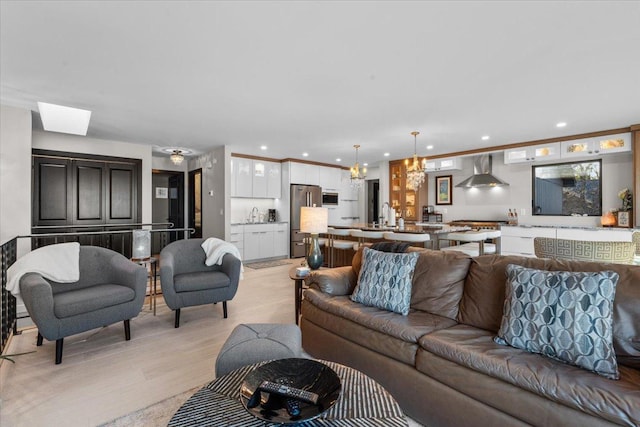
x: 195, y: 202
x: 176, y: 202
x: 373, y: 200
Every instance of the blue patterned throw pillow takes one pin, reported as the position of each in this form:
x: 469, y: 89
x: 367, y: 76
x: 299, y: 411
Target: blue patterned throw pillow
x: 385, y: 280
x: 563, y: 315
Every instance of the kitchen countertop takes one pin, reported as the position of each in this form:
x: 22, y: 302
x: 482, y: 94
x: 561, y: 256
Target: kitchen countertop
x: 259, y: 223
x: 577, y: 227
x: 418, y: 228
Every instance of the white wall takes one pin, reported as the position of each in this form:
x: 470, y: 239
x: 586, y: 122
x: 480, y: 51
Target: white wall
x: 493, y: 203
x: 81, y: 144
x: 15, y: 175
x: 214, y: 192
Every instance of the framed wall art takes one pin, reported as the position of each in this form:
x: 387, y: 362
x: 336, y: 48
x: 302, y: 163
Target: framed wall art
x: 624, y: 218
x: 444, y: 192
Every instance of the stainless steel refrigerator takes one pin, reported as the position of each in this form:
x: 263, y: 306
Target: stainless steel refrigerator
x: 301, y: 195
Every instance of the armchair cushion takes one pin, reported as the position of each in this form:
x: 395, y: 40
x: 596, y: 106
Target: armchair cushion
x: 198, y: 281
x: 72, y: 303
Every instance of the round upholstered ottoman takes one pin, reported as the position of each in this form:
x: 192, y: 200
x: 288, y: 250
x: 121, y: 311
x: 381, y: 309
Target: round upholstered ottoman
x: 258, y: 342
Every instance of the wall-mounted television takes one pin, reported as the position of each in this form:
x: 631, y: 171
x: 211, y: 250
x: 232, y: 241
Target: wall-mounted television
x: 567, y: 188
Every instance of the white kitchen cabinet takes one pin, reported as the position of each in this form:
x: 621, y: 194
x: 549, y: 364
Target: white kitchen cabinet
x: 519, y: 240
x: 265, y: 240
x: 241, y: 177
x: 445, y: 164
x: 586, y: 147
x: 237, y: 238
x: 258, y: 241
x: 533, y: 153
x: 330, y: 178
x: 597, y: 235
x: 266, y: 179
x: 274, y: 181
x: 281, y: 240
x: 304, y: 173
x: 255, y: 178
x: 259, y: 171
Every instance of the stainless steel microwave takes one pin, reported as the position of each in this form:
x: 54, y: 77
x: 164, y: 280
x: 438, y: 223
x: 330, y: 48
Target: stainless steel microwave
x: 329, y: 199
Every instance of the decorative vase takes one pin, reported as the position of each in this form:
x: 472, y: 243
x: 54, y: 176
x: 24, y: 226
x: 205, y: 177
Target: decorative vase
x: 314, y: 257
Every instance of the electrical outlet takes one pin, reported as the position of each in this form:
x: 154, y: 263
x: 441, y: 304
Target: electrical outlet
x: 211, y: 193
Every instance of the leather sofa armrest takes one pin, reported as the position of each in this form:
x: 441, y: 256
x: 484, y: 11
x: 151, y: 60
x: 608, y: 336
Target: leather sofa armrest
x: 334, y: 281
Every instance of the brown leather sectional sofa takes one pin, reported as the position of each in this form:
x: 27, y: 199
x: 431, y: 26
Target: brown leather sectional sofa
x: 440, y: 361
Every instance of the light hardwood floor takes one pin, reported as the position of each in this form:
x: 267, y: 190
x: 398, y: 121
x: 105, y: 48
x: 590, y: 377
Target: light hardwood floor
x: 102, y: 376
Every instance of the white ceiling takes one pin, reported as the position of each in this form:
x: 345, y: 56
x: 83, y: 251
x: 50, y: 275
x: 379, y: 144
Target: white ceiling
x: 322, y: 76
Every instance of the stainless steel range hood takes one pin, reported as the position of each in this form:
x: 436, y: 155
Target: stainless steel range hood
x: 482, y: 176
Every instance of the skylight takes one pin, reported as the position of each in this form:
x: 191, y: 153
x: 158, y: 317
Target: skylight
x: 58, y: 118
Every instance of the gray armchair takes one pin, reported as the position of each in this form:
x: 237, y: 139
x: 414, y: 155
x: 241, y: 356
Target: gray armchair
x: 111, y: 289
x: 186, y: 280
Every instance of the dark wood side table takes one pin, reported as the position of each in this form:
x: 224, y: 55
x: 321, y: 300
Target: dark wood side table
x: 299, y: 282
x: 151, y: 264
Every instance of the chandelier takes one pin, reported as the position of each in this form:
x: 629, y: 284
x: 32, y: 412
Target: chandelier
x: 357, y: 175
x: 415, y: 169
x: 176, y: 157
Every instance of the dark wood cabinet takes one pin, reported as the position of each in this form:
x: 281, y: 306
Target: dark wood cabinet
x: 69, y: 189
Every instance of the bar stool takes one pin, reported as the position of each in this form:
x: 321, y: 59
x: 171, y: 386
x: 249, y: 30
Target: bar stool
x: 495, y: 236
x: 407, y: 237
x: 364, y: 236
x: 340, y: 245
x: 476, y: 238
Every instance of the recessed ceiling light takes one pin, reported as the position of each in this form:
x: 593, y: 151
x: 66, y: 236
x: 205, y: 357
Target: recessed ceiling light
x: 263, y: 147
x: 561, y: 124
x: 305, y: 154
x: 338, y: 159
x: 429, y: 147
x: 365, y: 164
x: 387, y: 154
x: 58, y: 118
x: 485, y: 138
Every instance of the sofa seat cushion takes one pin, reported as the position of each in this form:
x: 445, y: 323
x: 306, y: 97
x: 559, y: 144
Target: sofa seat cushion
x: 85, y: 300
x: 200, y: 281
x: 617, y: 401
x: 383, y: 331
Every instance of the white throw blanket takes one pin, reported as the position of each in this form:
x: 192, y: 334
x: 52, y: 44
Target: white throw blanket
x: 60, y: 263
x: 215, y: 249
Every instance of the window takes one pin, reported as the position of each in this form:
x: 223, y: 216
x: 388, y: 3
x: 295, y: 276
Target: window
x: 568, y: 189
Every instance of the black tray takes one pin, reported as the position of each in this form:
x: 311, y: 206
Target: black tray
x: 300, y: 373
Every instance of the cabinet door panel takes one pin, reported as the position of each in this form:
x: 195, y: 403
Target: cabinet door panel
x: 121, y: 187
x: 89, y: 196
x: 51, y: 198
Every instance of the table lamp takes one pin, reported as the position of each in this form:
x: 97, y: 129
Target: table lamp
x: 141, y: 244
x: 314, y: 221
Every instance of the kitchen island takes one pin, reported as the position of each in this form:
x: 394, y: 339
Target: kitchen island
x: 435, y: 230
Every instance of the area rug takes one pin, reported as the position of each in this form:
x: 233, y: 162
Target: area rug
x: 158, y: 414
x: 266, y: 264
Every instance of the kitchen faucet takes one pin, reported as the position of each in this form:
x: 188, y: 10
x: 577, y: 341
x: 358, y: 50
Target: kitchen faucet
x: 254, y: 213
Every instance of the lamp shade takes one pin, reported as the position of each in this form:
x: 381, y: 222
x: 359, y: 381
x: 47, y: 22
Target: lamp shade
x: 313, y: 220
x: 141, y: 244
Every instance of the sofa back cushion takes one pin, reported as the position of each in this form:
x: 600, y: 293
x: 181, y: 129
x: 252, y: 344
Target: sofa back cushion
x: 484, y: 293
x: 438, y: 282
